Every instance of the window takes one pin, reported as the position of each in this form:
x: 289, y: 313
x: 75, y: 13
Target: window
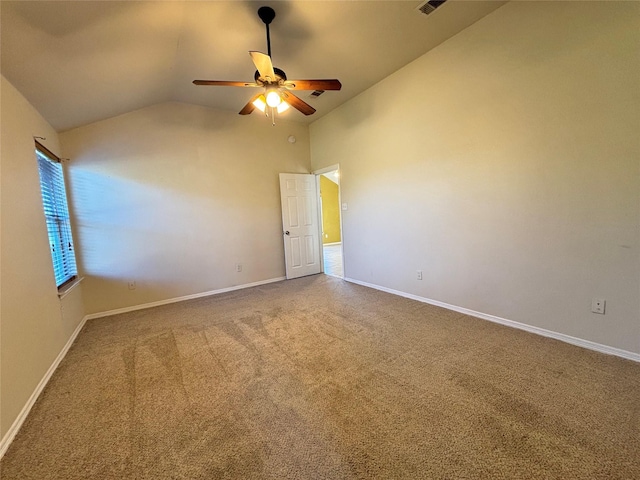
x: 56, y: 212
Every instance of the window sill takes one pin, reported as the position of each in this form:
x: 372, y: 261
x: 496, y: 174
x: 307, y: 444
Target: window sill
x: 63, y: 292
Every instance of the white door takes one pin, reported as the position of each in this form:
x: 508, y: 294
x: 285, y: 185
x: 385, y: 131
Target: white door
x: 300, y: 225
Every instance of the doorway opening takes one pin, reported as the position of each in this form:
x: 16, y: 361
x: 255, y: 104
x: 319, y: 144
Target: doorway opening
x: 331, y: 220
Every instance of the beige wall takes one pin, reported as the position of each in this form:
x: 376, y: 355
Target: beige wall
x: 34, y: 324
x: 173, y: 196
x: 505, y: 164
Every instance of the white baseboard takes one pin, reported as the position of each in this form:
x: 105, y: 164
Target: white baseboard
x: 22, y: 416
x: 510, y: 323
x: 332, y: 275
x: 133, y: 308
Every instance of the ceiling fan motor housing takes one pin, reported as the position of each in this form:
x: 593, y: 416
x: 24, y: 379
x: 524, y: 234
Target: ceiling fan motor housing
x: 279, y: 74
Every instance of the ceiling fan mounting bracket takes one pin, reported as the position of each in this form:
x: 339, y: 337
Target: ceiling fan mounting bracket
x: 266, y: 14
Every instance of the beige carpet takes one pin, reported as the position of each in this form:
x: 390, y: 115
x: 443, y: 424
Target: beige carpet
x: 317, y: 378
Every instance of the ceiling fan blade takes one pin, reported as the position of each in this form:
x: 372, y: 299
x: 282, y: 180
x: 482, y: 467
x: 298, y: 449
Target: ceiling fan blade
x: 264, y: 66
x: 297, y: 103
x: 224, y: 83
x: 249, y: 107
x: 324, y: 84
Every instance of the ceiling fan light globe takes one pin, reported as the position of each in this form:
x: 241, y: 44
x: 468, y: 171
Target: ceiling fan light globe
x: 260, y: 103
x: 273, y: 99
x: 283, y: 107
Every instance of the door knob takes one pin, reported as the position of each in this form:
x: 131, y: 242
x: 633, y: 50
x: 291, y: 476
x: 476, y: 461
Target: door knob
x: 287, y: 232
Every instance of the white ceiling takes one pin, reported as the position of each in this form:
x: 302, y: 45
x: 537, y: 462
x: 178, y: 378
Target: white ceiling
x: 82, y: 61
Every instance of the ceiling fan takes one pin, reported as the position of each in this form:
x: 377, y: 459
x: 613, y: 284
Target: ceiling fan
x: 276, y: 96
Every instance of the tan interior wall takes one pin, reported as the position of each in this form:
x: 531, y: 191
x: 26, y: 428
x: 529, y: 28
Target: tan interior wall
x: 174, y: 196
x: 504, y: 164
x: 35, y: 324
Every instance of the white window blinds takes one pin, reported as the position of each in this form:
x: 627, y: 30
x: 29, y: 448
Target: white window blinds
x: 56, y: 211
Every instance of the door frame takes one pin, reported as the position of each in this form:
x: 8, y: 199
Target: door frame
x: 317, y: 173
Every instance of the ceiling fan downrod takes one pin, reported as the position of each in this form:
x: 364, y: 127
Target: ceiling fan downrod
x: 267, y: 14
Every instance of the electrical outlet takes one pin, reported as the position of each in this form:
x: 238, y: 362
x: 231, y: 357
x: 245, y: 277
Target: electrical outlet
x: 132, y: 284
x: 238, y: 267
x: 597, y: 305
x: 419, y: 274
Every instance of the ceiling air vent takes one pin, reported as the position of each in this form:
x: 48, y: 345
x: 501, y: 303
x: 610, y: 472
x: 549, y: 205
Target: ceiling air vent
x: 316, y: 93
x: 430, y: 6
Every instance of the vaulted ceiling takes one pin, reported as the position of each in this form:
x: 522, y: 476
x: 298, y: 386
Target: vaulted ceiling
x: 79, y: 62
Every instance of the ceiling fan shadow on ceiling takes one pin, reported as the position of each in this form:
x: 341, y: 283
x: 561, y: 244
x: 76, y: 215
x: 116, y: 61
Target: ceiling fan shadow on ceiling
x: 276, y: 96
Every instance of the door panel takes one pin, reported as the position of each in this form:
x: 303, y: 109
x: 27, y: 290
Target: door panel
x: 300, y: 224
x: 295, y: 253
x: 292, y: 204
x: 308, y: 204
x: 311, y: 250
